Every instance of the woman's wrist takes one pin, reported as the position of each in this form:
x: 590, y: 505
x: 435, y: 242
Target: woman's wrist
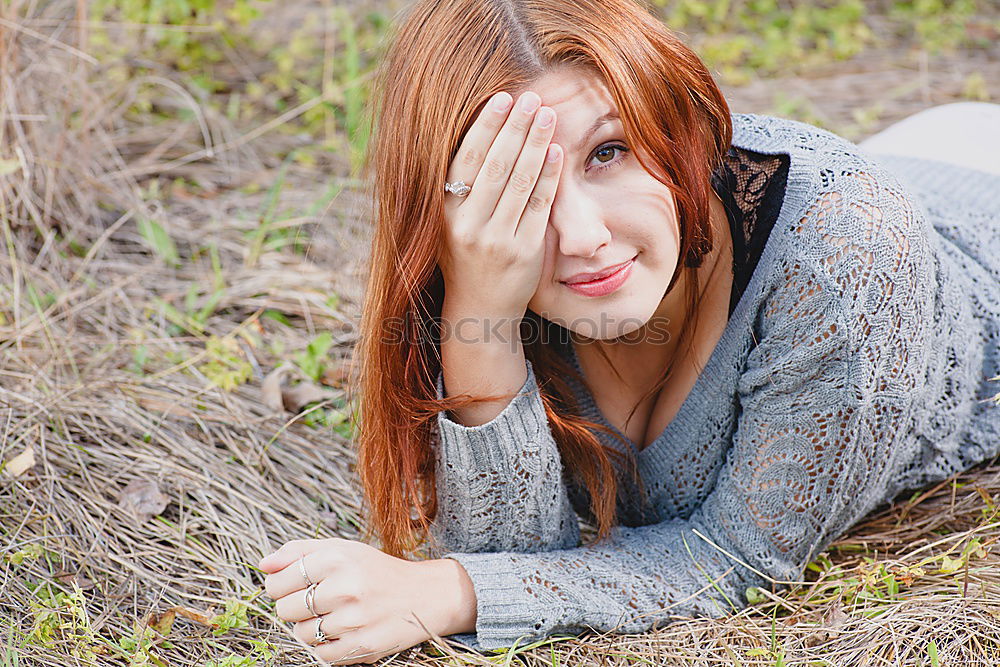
x: 451, y: 587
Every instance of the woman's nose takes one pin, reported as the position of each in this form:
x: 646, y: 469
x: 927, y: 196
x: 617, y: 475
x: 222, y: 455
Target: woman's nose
x: 579, y: 224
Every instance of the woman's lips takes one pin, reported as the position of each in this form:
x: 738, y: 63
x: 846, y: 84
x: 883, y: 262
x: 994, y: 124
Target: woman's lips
x: 606, y: 285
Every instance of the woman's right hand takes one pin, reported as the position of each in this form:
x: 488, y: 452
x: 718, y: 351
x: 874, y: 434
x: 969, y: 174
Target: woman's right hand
x: 494, y: 237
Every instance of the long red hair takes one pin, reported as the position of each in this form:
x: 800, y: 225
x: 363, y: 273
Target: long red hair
x: 445, y: 60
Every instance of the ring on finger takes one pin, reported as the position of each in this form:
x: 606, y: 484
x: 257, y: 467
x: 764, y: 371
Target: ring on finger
x: 458, y: 188
x: 311, y: 599
x: 319, y: 635
x: 302, y: 569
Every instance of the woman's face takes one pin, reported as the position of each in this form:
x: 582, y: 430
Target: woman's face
x: 607, y: 211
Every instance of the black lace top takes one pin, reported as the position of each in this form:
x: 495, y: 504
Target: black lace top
x: 751, y: 186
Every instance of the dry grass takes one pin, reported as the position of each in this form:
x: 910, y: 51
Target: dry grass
x: 82, y: 293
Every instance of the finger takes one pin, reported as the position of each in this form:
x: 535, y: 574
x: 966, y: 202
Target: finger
x: 332, y: 594
x: 478, y: 139
x: 492, y: 178
x: 289, y: 579
x: 292, y: 607
x: 526, y: 171
x: 306, y: 630
x: 538, y: 208
x: 288, y: 554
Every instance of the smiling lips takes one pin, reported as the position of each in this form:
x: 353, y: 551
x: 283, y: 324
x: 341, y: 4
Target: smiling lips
x: 588, y: 277
x: 601, y: 283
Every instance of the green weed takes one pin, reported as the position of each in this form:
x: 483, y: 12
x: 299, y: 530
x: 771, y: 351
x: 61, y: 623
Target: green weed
x: 227, y: 367
x: 61, y: 616
x: 312, y: 360
x: 341, y: 418
x: 138, y: 649
x: 199, y: 303
x: 276, y: 231
x: 30, y: 553
x: 39, y: 300
x: 261, y: 652
x: 159, y: 241
x: 932, y: 653
x: 233, y: 618
x: 767, y: 37
x: 140, y: 355
x: 939, y: 25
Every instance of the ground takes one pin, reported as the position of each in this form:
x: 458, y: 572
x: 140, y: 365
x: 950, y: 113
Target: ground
x: 182, y: 215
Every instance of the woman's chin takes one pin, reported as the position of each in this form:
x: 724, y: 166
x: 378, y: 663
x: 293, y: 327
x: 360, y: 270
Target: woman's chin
x: 602, y: 325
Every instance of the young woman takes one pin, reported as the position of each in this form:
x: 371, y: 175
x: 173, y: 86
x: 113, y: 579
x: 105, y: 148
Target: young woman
x: 720, y: 339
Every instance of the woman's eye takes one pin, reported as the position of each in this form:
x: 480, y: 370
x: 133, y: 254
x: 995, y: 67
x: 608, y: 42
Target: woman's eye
x: 605, y: 155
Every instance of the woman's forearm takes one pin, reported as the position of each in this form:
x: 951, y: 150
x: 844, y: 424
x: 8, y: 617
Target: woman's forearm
x: 481, y: 354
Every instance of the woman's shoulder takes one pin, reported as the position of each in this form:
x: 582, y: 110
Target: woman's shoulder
x: 845, y: 219
x: 821, y: 161
x: 834, y: 188
x: 820, y: 155
x: 773, y: 134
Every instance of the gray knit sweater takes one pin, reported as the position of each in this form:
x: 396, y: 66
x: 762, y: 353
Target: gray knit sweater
x: 855, y: 365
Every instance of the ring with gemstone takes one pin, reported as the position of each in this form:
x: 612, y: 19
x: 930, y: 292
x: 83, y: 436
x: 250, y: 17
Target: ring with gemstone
x: 458, y: 188
x: 319, y: 636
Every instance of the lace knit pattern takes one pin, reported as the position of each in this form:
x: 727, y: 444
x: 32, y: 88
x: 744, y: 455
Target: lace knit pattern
x: 855, y: 365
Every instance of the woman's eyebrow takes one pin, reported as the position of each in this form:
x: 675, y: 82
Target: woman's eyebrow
x: 608, y: 116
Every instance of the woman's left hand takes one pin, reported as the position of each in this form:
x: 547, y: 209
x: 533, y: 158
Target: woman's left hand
x: 367, y: 600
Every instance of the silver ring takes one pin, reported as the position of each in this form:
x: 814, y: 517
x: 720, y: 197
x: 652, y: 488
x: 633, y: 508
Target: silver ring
x: 319, y: 636
x: 311, y: 599
x: 458, y: 188
x: 302, y: 569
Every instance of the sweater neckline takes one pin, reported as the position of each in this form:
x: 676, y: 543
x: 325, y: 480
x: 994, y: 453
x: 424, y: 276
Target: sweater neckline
x: 747, y: 135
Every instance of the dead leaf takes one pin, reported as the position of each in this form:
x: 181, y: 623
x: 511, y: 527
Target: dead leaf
x: 74, y: 577
x: 200, y: 617
x: 21, y: 463
x: 143, y: 499
x: 278, y: 395
x: 163, y: 622
x: 338, y: 374
x: 830, y: 626
x: 297, y: 397
x: 270, y: 388
x: 836, y: 617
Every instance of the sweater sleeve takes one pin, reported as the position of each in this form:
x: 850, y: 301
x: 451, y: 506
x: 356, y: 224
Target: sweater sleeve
x: 824, y: 396
x: 500, y: 484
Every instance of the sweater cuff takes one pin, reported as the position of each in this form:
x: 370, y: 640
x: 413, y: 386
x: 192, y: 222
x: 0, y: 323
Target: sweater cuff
x: 483, y: 446
x: 505, y: 613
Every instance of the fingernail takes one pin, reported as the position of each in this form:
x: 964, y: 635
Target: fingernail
x: 501, y: 102
x: 544, y: 117
x: 553, y: 153
x: 529, y: 102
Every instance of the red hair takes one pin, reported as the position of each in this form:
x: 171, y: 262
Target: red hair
x: 446, y: 59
